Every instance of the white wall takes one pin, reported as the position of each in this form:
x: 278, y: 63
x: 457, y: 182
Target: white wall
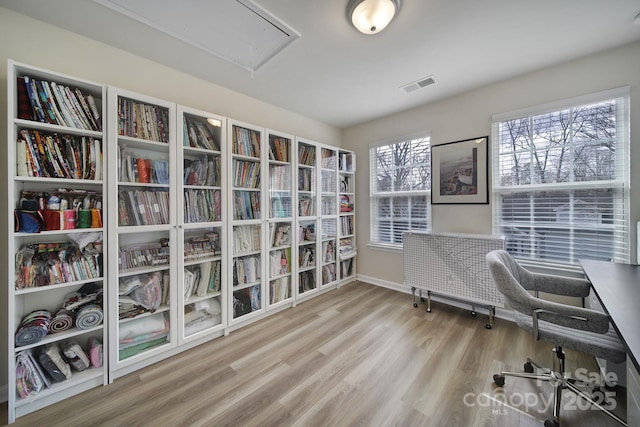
x: 469, y: 115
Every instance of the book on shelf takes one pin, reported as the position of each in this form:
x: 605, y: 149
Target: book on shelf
x: 279, y: 262
x: 328, y: 251
x: 41, y: 154
x: 202, y: 205
x: 345, y: 184
x: 346, y: 268
x: 142, y: 207
x: 279, y: 177
x: 307, y: 256
x: 143, y: 121
x: 246, y: 174
x: 307, y: 232
x: 346, y: 225
x: 201, y: 279
x: 202, y: 246
x: 150, y: 254
x: 198, y: 133
x: 345, y: 162
x: 204, y: 170
x: 279, y: 148
x: 143, y: 170
x: 57, y: 104
x: 306, y: 281
x: 246, y: 269
x: 280, y: 234
x: 246, y: 238
x: 279, y: 289
x: 246, y: 205
x: 346, y: 247
x: 280, y: 206
x: 306, y: 155
x: 246, y: 142
x: 328, y: 160
x: 305, y: 179
x: 328, y: 273
x: 306, y: 205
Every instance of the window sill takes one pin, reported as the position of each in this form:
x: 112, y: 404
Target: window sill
x: 385, y: 247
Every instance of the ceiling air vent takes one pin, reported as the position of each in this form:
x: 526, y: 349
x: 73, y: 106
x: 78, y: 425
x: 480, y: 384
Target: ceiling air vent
x: 427, y: 81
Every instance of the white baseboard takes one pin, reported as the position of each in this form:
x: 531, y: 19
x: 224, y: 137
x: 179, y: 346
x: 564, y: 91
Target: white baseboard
x: 501, y: 313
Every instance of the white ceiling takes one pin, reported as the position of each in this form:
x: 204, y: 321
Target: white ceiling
x: 334, y: 74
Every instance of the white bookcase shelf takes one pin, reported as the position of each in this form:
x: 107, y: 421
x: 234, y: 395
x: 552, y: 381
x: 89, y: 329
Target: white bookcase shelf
x: 55, y: 245
x: 208, y: 224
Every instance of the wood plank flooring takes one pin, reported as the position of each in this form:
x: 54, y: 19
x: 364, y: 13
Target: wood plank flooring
x: 360, y: 355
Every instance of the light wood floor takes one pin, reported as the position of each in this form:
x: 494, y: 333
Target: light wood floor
x: 360, y: 355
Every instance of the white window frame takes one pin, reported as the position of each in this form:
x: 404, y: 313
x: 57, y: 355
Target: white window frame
x: 375, y: 195
x: 620, y: 182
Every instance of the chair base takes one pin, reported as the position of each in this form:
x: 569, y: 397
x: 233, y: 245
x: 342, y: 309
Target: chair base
x: 560, y: 382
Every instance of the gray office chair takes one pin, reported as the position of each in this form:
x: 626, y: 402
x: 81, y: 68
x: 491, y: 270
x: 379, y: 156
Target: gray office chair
x: 580, y: 329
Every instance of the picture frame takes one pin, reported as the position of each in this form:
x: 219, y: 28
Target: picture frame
x: 459, y: 172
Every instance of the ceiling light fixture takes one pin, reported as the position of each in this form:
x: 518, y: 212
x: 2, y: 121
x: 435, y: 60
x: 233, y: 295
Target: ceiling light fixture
x: 372, y: 16
x: 214, y: 122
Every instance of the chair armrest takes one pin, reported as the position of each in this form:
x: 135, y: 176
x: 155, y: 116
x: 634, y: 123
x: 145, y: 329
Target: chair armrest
x: 568, y: 316
x: 559, y: 285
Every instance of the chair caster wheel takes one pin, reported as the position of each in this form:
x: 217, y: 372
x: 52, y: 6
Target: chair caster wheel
x: 415, y: 304
x: 488, y: 326
x: 528, y: 368
x: 499, y: 380
x: 551, y: 423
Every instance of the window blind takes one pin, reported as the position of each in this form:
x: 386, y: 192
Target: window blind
x: 561, y: 180
x: 400, y: 189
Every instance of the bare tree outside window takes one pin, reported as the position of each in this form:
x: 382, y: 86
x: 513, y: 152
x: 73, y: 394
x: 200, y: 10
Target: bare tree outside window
x: 400, y: 189
x: 559, y: 182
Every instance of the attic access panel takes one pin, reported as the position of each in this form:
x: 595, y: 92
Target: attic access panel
x: 238, y: 31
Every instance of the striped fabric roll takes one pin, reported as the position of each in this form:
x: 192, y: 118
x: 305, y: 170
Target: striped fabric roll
x: 62, y: 321
x: 89, y: 316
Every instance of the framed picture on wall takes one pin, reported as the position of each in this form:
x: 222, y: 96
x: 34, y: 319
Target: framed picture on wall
x: 459, y: 172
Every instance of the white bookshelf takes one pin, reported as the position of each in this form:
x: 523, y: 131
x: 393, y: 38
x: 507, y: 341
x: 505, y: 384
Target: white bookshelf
x: 281, y: 261
x: 60, y: 200
x: 347, y: 248
x: 142, y: 230
x: 201, y: 272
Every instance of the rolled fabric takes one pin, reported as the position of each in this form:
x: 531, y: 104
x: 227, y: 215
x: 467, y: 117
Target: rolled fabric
x: 89, y: 316
x: 69, y: 219
x: 96, y: 218
x: 33, y: 328
x: 62, y: 321
x: 83, y: 220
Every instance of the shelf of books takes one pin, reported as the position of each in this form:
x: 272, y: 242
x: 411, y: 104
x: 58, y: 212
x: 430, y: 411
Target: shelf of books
x: 347, y: 249
x: 247, y: 222
x: 307, y: 219
x: 201, y: 234
x: 142, y: 219
x: 280, y: 220
x: 329, y: 215
x: 56, y: 281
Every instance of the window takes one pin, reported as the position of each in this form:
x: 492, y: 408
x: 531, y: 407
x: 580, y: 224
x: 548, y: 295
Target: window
x: 400, y: 189
x: 561, y: 180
